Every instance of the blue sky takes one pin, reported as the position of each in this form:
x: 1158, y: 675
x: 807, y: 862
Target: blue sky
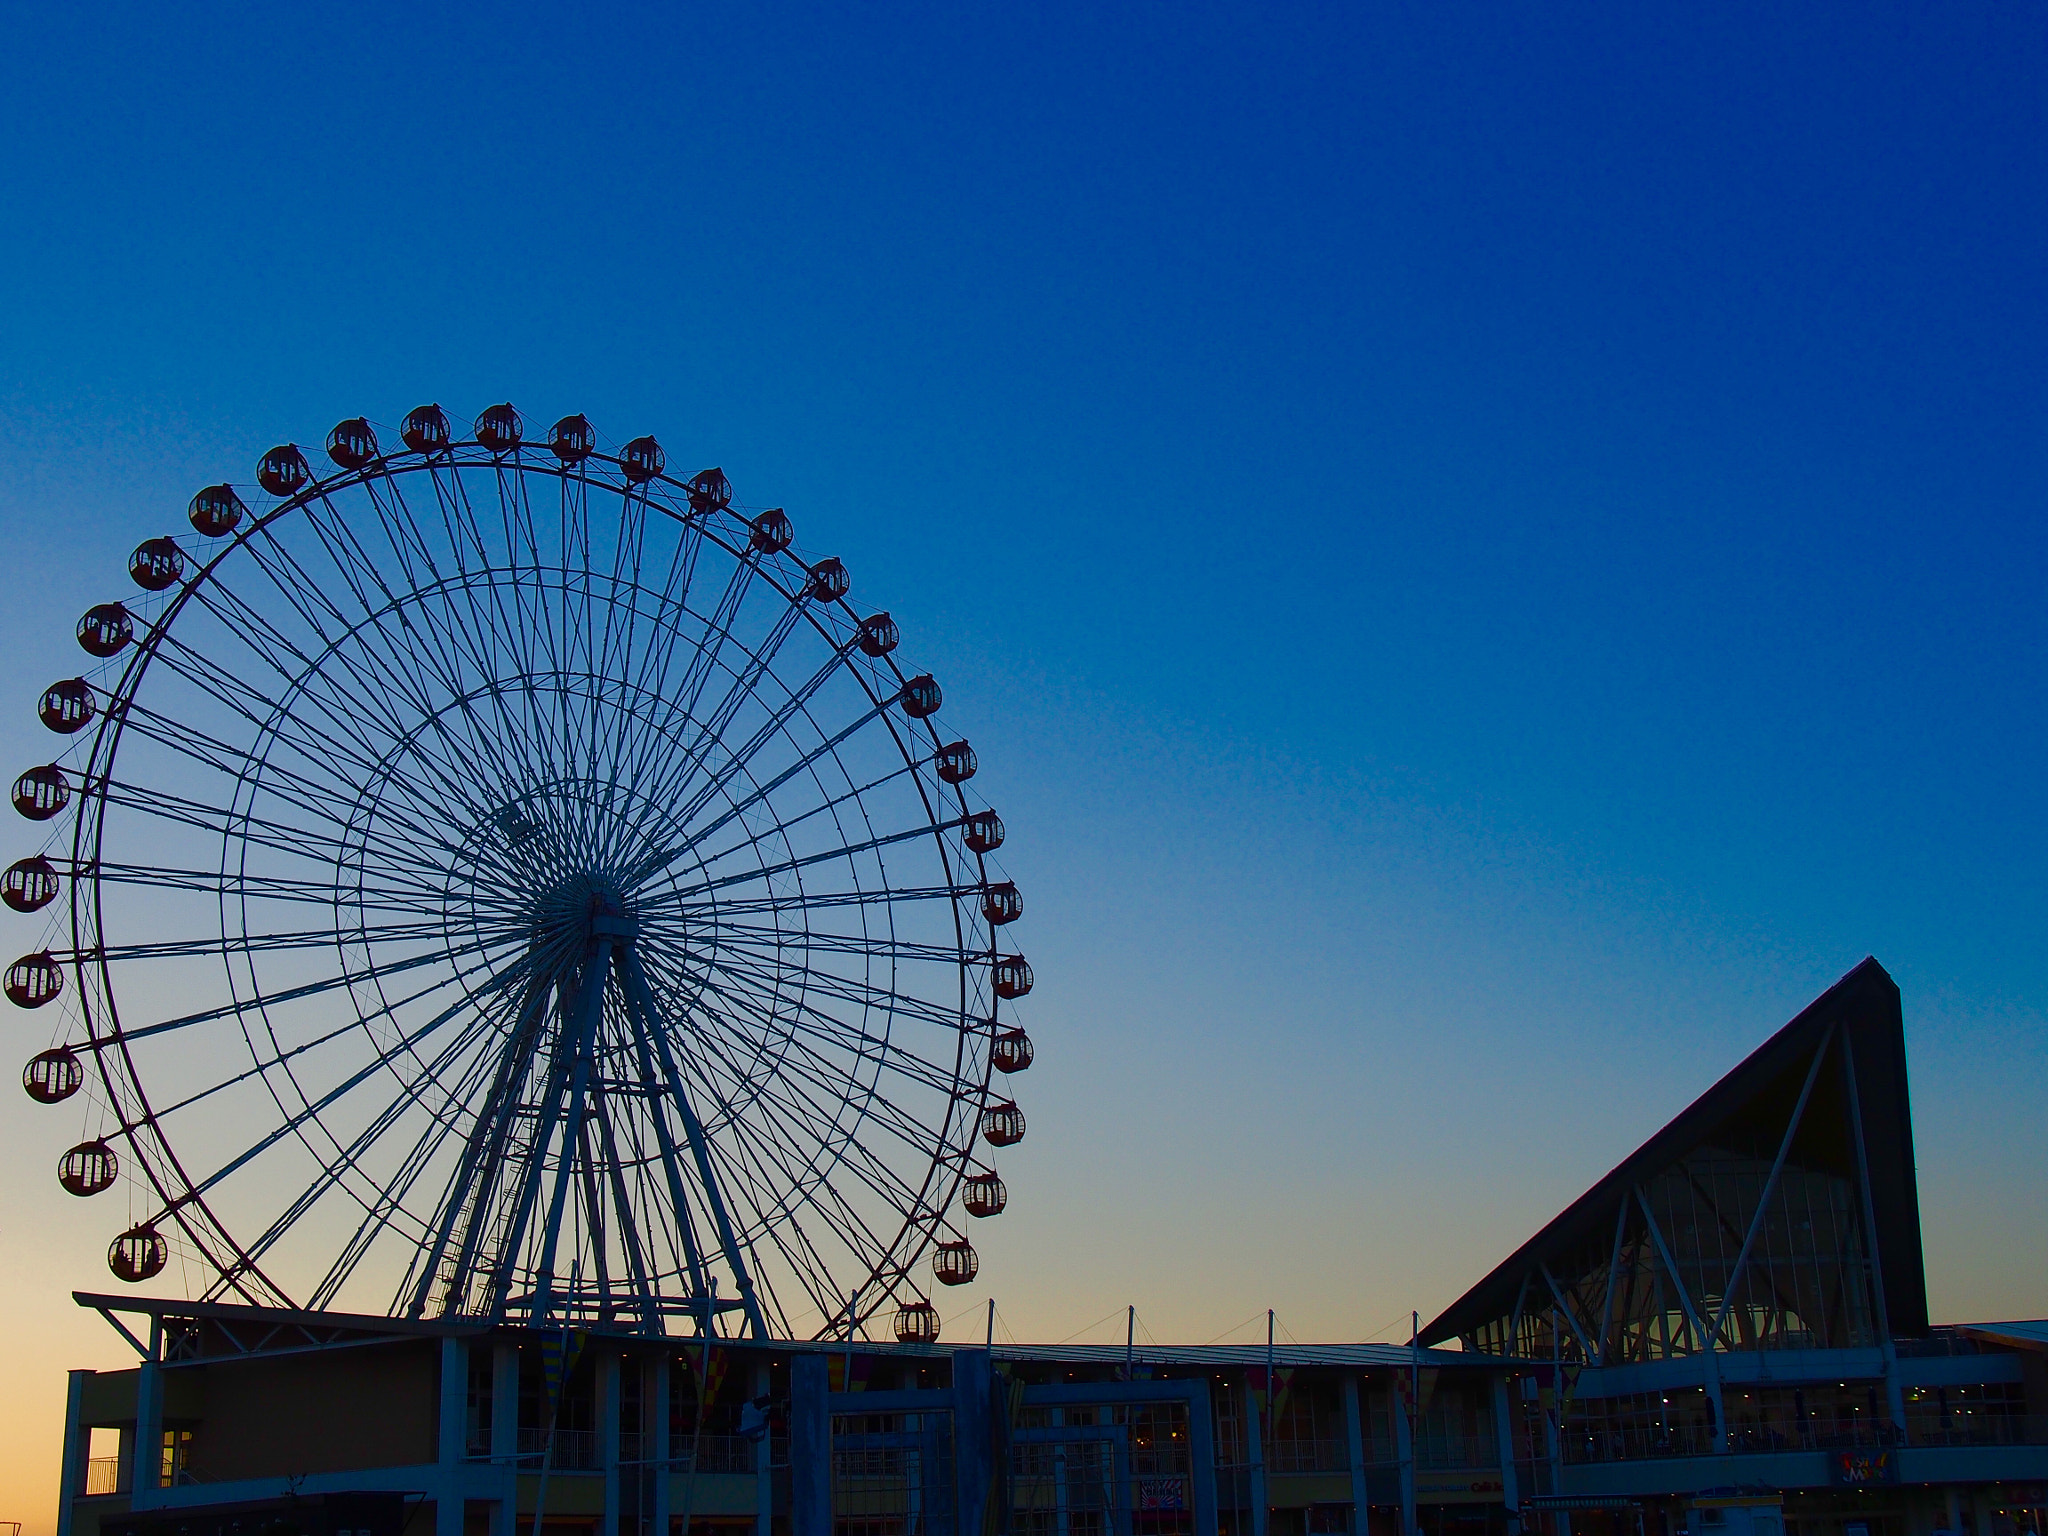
x: 1490, y: 552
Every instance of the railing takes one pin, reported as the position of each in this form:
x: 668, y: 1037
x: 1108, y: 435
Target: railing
x: 578, y: 1450
x: 1978, y: 1429
x: 1939, y: 1343
x: 103, y: 1475
x: 714, y: 1453
x: 1602, y: 1445
x: 575, y: 1450
x: 1444, y: 1453
x: 1636, y: 1444
x: 1306, y: 1456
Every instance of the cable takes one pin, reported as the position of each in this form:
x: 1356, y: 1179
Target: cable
x: 1091, y: 1327
x: 1226, y: 1333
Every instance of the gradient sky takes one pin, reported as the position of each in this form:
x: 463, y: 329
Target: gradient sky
x: 1489, y: 552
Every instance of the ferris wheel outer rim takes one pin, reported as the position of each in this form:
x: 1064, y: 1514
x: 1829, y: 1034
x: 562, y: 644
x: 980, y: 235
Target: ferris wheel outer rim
x: 969, y: 1098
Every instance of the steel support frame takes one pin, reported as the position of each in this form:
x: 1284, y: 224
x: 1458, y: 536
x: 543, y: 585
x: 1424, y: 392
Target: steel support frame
x: 1692, y: 1317
x: 1895, y: 1397
x: 450, y: 1437
x: 1763, y: 1205
x: 651, y: 1026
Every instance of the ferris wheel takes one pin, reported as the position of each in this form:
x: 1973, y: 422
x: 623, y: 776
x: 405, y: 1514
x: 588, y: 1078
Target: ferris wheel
x: 501, y: 879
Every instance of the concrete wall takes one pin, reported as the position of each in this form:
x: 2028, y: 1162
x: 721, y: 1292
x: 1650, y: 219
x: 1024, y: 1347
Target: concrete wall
x: 332, y: 1411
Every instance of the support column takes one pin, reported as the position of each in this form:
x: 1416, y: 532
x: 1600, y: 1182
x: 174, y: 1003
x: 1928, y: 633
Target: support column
x: 608, y: 1439
x: 149, y: 1424
x: 505, y: 1437
x: 1404, y: 1448
x: 764, y: 1458
x: 658, y: 1454
x: 1713, y: 1399
x: 973, y: 1438
x: 450, y: 1437
x: 810, y: 1448
x: 1354, y: 1454
x: 1255, y: 1444
x: 77, y: 1449
x: 1504, y: 1433
x: 1201, y: 1458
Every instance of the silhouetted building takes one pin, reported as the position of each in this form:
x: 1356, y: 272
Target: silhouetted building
x: 1726, y: 1336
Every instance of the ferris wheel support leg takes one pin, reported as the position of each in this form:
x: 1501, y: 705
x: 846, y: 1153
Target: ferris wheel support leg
x: 533, y: 1172
x: 671, y: 1158
x: 629, y: 1229
x: 651, y: 1024
x: 482, y: 1159
x: 589, y: 1009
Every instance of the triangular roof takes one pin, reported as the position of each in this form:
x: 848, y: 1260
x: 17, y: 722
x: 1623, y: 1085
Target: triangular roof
x: 1865, y: 1004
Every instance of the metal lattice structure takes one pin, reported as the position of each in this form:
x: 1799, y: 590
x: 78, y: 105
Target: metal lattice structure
x: 503, y: 879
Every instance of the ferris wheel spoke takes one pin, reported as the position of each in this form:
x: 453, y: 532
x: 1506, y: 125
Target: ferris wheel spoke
x: 374, y: 668
x: 401, y: 528
x: 283, y: 838
x: 865, y: 994
x: 377, y: 670
x: 827, y: 1029
x: 616, y: 628
x: 735, y: 809
x: 297, y: 1121
x: 670, y: 610
x: 671, y: 785
x: 475, y: 567
x: 123, y: 1034
x: 716, y: 914
x: 782, y: 829
x: 808, y: 861
x: 236, y: 883
x: 287, y: 786
x: 794, y: 1185
x: 799, y: 1189
x: 235, y: 763
x: 348, y: 1159
x: 259, y: 943
x: 764, y: 996
x: 752, y: 938
x: 262, y: 639
x: 819, y: 1075
x: 271, y: 1062
x: 710, y: 654
x: 306, y: 598
x: 745, y: 685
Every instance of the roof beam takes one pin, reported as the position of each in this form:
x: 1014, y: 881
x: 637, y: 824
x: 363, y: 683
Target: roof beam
x: 1763, y: 1205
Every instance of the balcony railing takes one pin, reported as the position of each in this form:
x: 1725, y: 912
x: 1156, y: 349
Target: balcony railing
x: 1306, y: 1456
x: 575, y: 1450
x: 1445, y: 1453
x: 714, y: 1453
x: 1978, y: 1429
x: 1602, y: 1445
x: 103, y: 1475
